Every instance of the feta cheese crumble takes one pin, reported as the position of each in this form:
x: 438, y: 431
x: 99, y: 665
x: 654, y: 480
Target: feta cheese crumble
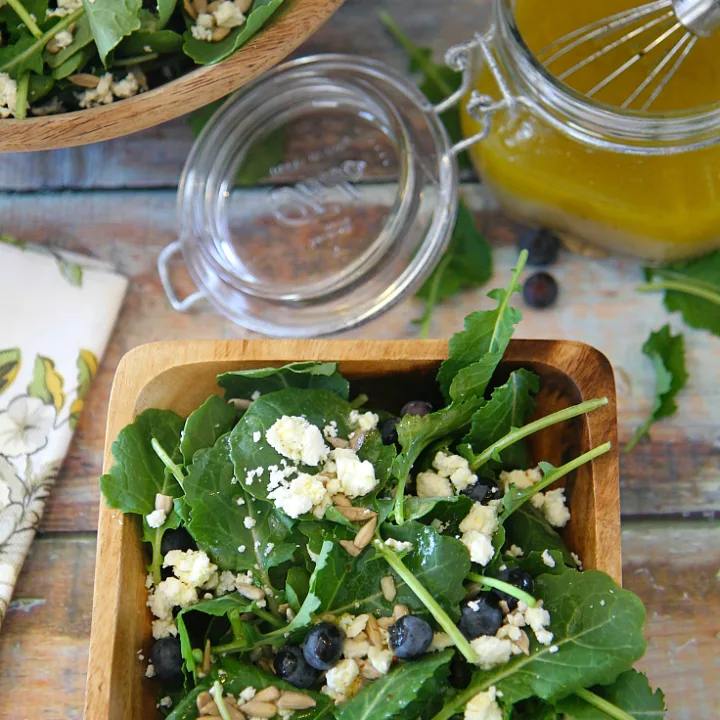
x: 398, y: 545
x: 430, y: 484
x: 538, y: 619
x: 482, y: 518
x: 484, y: 707
x: 340, y: 680
x: 108, y: 90
x: 480, y: 547
x: 515, y: 551
x: 256, y: 436
x: 554, y: 508
x: 521, y: 479
x: 299, y: 497
x: 380, y: 659
x: 492, y: 651
x: 156, y: 518
x: 249, y: 522
x: 331, y: 430
x: 548, y: 559
x: 297, y: 439
x: 64, y: 7
x: 355, y: 477
x: 192, y: 567
x: 365, y: 421
x: 456, y: 468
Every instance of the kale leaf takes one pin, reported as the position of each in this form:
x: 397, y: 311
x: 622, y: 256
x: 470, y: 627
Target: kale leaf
x: 205, y: 425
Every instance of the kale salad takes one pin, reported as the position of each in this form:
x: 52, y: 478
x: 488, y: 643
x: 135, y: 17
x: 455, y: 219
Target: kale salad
x: 62, y: 55
x: 311, y: 555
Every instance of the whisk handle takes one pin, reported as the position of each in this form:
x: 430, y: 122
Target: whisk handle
x: 701, y: 17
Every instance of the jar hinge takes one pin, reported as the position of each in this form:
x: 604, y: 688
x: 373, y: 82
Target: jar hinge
x: 164, y: 272
x: 480, y: 107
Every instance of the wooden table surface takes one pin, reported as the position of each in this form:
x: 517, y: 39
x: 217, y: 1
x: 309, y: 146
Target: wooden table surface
x: 116, y: 201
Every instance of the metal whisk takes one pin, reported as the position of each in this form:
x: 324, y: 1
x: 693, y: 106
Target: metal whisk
x: 669, y: 27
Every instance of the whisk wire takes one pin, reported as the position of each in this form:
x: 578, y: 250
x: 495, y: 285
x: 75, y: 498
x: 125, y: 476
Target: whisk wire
x: 663, y: 83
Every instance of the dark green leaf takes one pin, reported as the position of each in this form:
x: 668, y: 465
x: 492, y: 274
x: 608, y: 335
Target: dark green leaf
x: 242, y: 384
x: 22, y: 56
x: 111, y: 21
x: 82, y: 36
x: 631, y: 692
x: 419, y: 507
x: 297, y: 585
x: 388, y: 696
x: 667, y: 354
x: 510, y: 406
x: 529, y: 530
x: 73, y: 64
x: 205, y: 425
x: 165, y: 9
x: 40, y: 86
x: 208, y: 53
x: 142, y: 42
x: 138, y: 473
x: 701, y: 274
x: 218, y: 523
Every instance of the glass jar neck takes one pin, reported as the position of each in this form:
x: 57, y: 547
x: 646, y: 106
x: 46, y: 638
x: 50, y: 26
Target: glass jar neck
x: 591, y: 122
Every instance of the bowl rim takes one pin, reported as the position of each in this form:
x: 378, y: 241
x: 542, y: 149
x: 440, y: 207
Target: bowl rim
x: 293, y: 23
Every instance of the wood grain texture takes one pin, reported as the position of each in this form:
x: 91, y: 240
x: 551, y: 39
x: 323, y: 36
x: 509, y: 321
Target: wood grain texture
x: 180, y: 375
x: 46, y: 633
x: 154, y: 157
x: 294, y: 22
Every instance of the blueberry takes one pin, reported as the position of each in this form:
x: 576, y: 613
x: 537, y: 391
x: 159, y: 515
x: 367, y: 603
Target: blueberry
x: 167, y: 659
x: 540, y: 290
x: 542, y: 245
x: 323, y: 646
x: 520, y: 579
x: 460, y: 672
x: 290, y: 665
x: 179, y: 539
x: 481, y: 616
x: 410, y: 637
x: 483, y: 491
x: 388, y: 431
x: 416, y: 407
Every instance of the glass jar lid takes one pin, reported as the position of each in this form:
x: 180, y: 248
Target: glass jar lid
x: 315, y: 198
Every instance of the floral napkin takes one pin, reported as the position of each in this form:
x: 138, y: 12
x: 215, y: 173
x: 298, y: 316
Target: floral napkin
x: 57, y: 310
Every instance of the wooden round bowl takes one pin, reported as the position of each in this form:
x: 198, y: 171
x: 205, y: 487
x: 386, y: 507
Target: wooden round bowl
x: 291, y: 25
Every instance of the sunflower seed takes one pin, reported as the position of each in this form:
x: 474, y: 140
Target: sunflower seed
x: 341, y: 500
x: 243, y: 5
x: 250, y: 591
x: 206, y: 658
x: 164, y: 503
x: 220, y: 33
x: 369, y: 672
x: 373, y: 631
x: 523, y: 643
x: 357, y: 439
x: 350, y: 547
x: 338, y: 442
x: 269, y: 694
x: 241, y: 404
x: 295, y: 701
x: 201, y: 6
x: 365, y: 534
x: 85, y: 80
x: 385, y: 622
x: 356, y: 514
x: 389, y: 590
x: 259, y: 709
x: 400, y: 611
x: 190, y: 9
x: 206, y: 705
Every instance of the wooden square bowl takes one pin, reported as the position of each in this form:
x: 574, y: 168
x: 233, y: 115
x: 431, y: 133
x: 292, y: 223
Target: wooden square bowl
x: 180, y: 375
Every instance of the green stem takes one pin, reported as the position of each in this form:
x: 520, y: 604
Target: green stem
x: 502, y: 307
x: 681, y: 286
x: 434, y: 288
x: 607, y: 707
x: 268, y: 617
x: 22, y: 95
x: 125, y: 62
x: 359, y: 401
x: 399, y: 510
x: 264, y: 575
x: 220, y: 701
x: 157, y: 556
x: 507, y: 588
x: 519, y: 433
x: 235, y: 623
x: 428, y: 600
x: 24, y: 15
x: 173, y: 467
x: 415, y: 53
x: 41, y: 42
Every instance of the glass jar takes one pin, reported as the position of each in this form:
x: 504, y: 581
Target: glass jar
x: 295, y: 238
x: 645, y: 183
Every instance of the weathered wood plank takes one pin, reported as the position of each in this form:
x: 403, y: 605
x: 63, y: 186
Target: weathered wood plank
x: 678, y: 473
x: 154, y: 158
x: 672, y: 566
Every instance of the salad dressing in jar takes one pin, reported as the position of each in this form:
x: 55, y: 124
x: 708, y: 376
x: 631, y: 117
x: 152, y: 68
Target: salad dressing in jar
x: 645, y: 182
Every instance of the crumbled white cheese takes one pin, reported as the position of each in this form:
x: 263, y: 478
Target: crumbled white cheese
x: 521, y: 479
x: 240, y: 501
x: 548, y: 559
x: 352, y: 626
x: 355, y: 648
x: 156, y: 518
x: 456, y: 468
x: 150, y: 672
x: 355, y: 477
x: 554, y: 649
x: 577, y: 560
x: 441, y: 641
x: 300, y: 496
x: 297, y: 439
x: 554, y: 509
x: 63, y: 39
x: 365, y: 421
x: 255, y: 395
x: 165, y: 702
x: 331, y: 430
x: 108, y: 90
x: 247, y: 694
x: 64, y: 7
x: 398, y: 545
x: 380, y: 659
x: 511, y: 632
x: 340, y: 679
x: 193, y: 567
x: 480, y: 547
x: 484, y: 707
x: 249, y: 522
x: 482, y: 518
x: 171, y: 593
x: 430, y: 484
x: 226, y: 582
x: 164, y: 628
x: 256, y: 436
x: 228, y: 15
x: 491, y: 651
x: 515, y: 551
x: 538, y: 619
x: 537, y: 500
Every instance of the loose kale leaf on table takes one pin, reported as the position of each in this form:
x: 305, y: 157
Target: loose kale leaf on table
x: 396, y: 694
x: 138, y: 473
x: 205, y: 425
x: 631, y: 692
x: 208, y: 53
x: 218, y: 523
x: 241, y: 384
x: 667, y: 354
